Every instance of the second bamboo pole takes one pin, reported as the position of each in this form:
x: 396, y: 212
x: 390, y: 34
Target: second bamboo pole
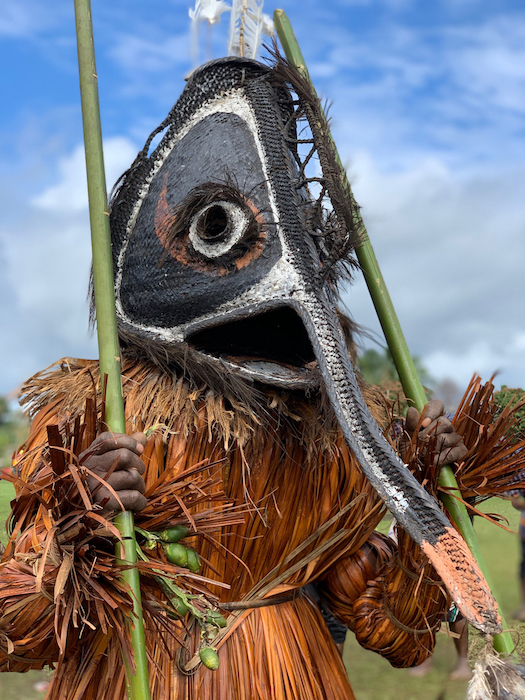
x: 397, y: 345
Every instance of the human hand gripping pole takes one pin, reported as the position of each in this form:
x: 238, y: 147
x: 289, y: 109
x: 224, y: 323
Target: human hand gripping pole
x: 404, y: 364
x: 108, y: 344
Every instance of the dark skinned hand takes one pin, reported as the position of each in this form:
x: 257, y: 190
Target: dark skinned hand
x: 124, y: 452
x: 449, y: 446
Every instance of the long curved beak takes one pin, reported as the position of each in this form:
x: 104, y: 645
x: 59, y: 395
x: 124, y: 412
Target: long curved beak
x: 414, y: 509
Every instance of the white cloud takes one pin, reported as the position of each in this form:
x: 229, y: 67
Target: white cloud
x: 483, y: 358
x: 451, y: 248
x: 403, y: 90
x: 70, y: 193
x: 46, y: 258
x: 490, y: 62
x: 519, y: 343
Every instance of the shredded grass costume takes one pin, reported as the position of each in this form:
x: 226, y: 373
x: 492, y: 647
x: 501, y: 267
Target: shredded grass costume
x: 263, y: 500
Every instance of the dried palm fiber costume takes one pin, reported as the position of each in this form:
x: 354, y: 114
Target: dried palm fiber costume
x: 226, y: 270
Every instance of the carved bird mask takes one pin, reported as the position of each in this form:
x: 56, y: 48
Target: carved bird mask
x: 227, y: 258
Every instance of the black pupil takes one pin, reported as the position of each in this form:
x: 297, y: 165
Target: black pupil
x: 214, y: 224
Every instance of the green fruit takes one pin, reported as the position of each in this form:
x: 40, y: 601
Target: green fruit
x: 209, y: 658
x: 177, y: 554
x: 215, y: 618
x: 174, y: 534
x: 194, y: 561
x: 180, y: 607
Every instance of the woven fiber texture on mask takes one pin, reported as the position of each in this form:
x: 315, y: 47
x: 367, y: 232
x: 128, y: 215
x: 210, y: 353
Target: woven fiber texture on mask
x: 333, y: 213
x: 213, y: 78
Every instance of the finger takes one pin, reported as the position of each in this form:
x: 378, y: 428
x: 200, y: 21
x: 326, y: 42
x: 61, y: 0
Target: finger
x: 108, y: 442
x: 447, y: 440
x: 140, y: 438
x: 437, y: 427
x: 131, y: 500
x: 457, y: 454
x: 451, y: 454
x: 129, y: 480
x: 443, y: 425
x: 118, y: 460
x: 449, y: 447
x: 434, y: 409
x: 411, y: 420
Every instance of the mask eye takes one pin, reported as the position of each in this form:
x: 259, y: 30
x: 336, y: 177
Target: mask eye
x: 213, y: 224
x: 216, y: 228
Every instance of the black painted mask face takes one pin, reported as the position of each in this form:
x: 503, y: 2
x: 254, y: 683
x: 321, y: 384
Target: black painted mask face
x: 224, y: 261
x: 215, y: 236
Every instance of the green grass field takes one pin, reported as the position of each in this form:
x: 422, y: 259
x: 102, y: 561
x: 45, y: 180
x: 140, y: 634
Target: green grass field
x: 371, y: 676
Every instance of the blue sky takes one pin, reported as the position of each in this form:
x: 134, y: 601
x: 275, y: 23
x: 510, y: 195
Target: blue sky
x: 428, y: 107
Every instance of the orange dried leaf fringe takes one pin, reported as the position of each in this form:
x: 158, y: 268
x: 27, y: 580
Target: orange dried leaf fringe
x: 265, y: 465
x: 61, y: 594
x: 495, y: 462
x: 262, y: 462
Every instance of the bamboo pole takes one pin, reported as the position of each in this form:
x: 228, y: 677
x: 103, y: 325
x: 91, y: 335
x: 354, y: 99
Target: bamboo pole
x: 109, y: 351
x: 412, y: 386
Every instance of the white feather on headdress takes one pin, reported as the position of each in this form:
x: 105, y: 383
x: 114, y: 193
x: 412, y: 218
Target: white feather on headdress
x: 208, y: 11
x: 248, y: 24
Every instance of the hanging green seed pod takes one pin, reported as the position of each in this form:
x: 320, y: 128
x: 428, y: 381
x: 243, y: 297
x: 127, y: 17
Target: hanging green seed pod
x: 174, y: 534
x: 177, y: 554
x: 215, y: 618
x: 180, y: 607
x: 194, y: 561
x: 209, y: 658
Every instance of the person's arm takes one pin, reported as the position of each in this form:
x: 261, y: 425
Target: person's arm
x: 390, y: 597
x: 518, y: 502
x: 374, y: 591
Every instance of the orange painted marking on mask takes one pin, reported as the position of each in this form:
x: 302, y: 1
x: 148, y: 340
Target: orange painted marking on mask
x: 178, y: 248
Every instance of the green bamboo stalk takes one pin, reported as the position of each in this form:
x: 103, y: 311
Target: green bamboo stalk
x: 109, y: 350
x: 412, y: 386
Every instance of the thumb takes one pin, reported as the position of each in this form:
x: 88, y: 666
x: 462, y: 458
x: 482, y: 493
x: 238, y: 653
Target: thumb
x: 411, y: 420
x: 141, y: 439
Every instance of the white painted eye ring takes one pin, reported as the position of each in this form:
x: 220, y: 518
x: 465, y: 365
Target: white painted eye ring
x: 215, y: 236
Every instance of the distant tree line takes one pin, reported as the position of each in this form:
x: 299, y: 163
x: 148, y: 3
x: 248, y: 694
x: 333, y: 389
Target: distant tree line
x: 378, y: 368
x: 513, y: 396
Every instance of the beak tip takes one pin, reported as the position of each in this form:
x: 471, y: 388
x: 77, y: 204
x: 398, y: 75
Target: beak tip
x: 464, y: 580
